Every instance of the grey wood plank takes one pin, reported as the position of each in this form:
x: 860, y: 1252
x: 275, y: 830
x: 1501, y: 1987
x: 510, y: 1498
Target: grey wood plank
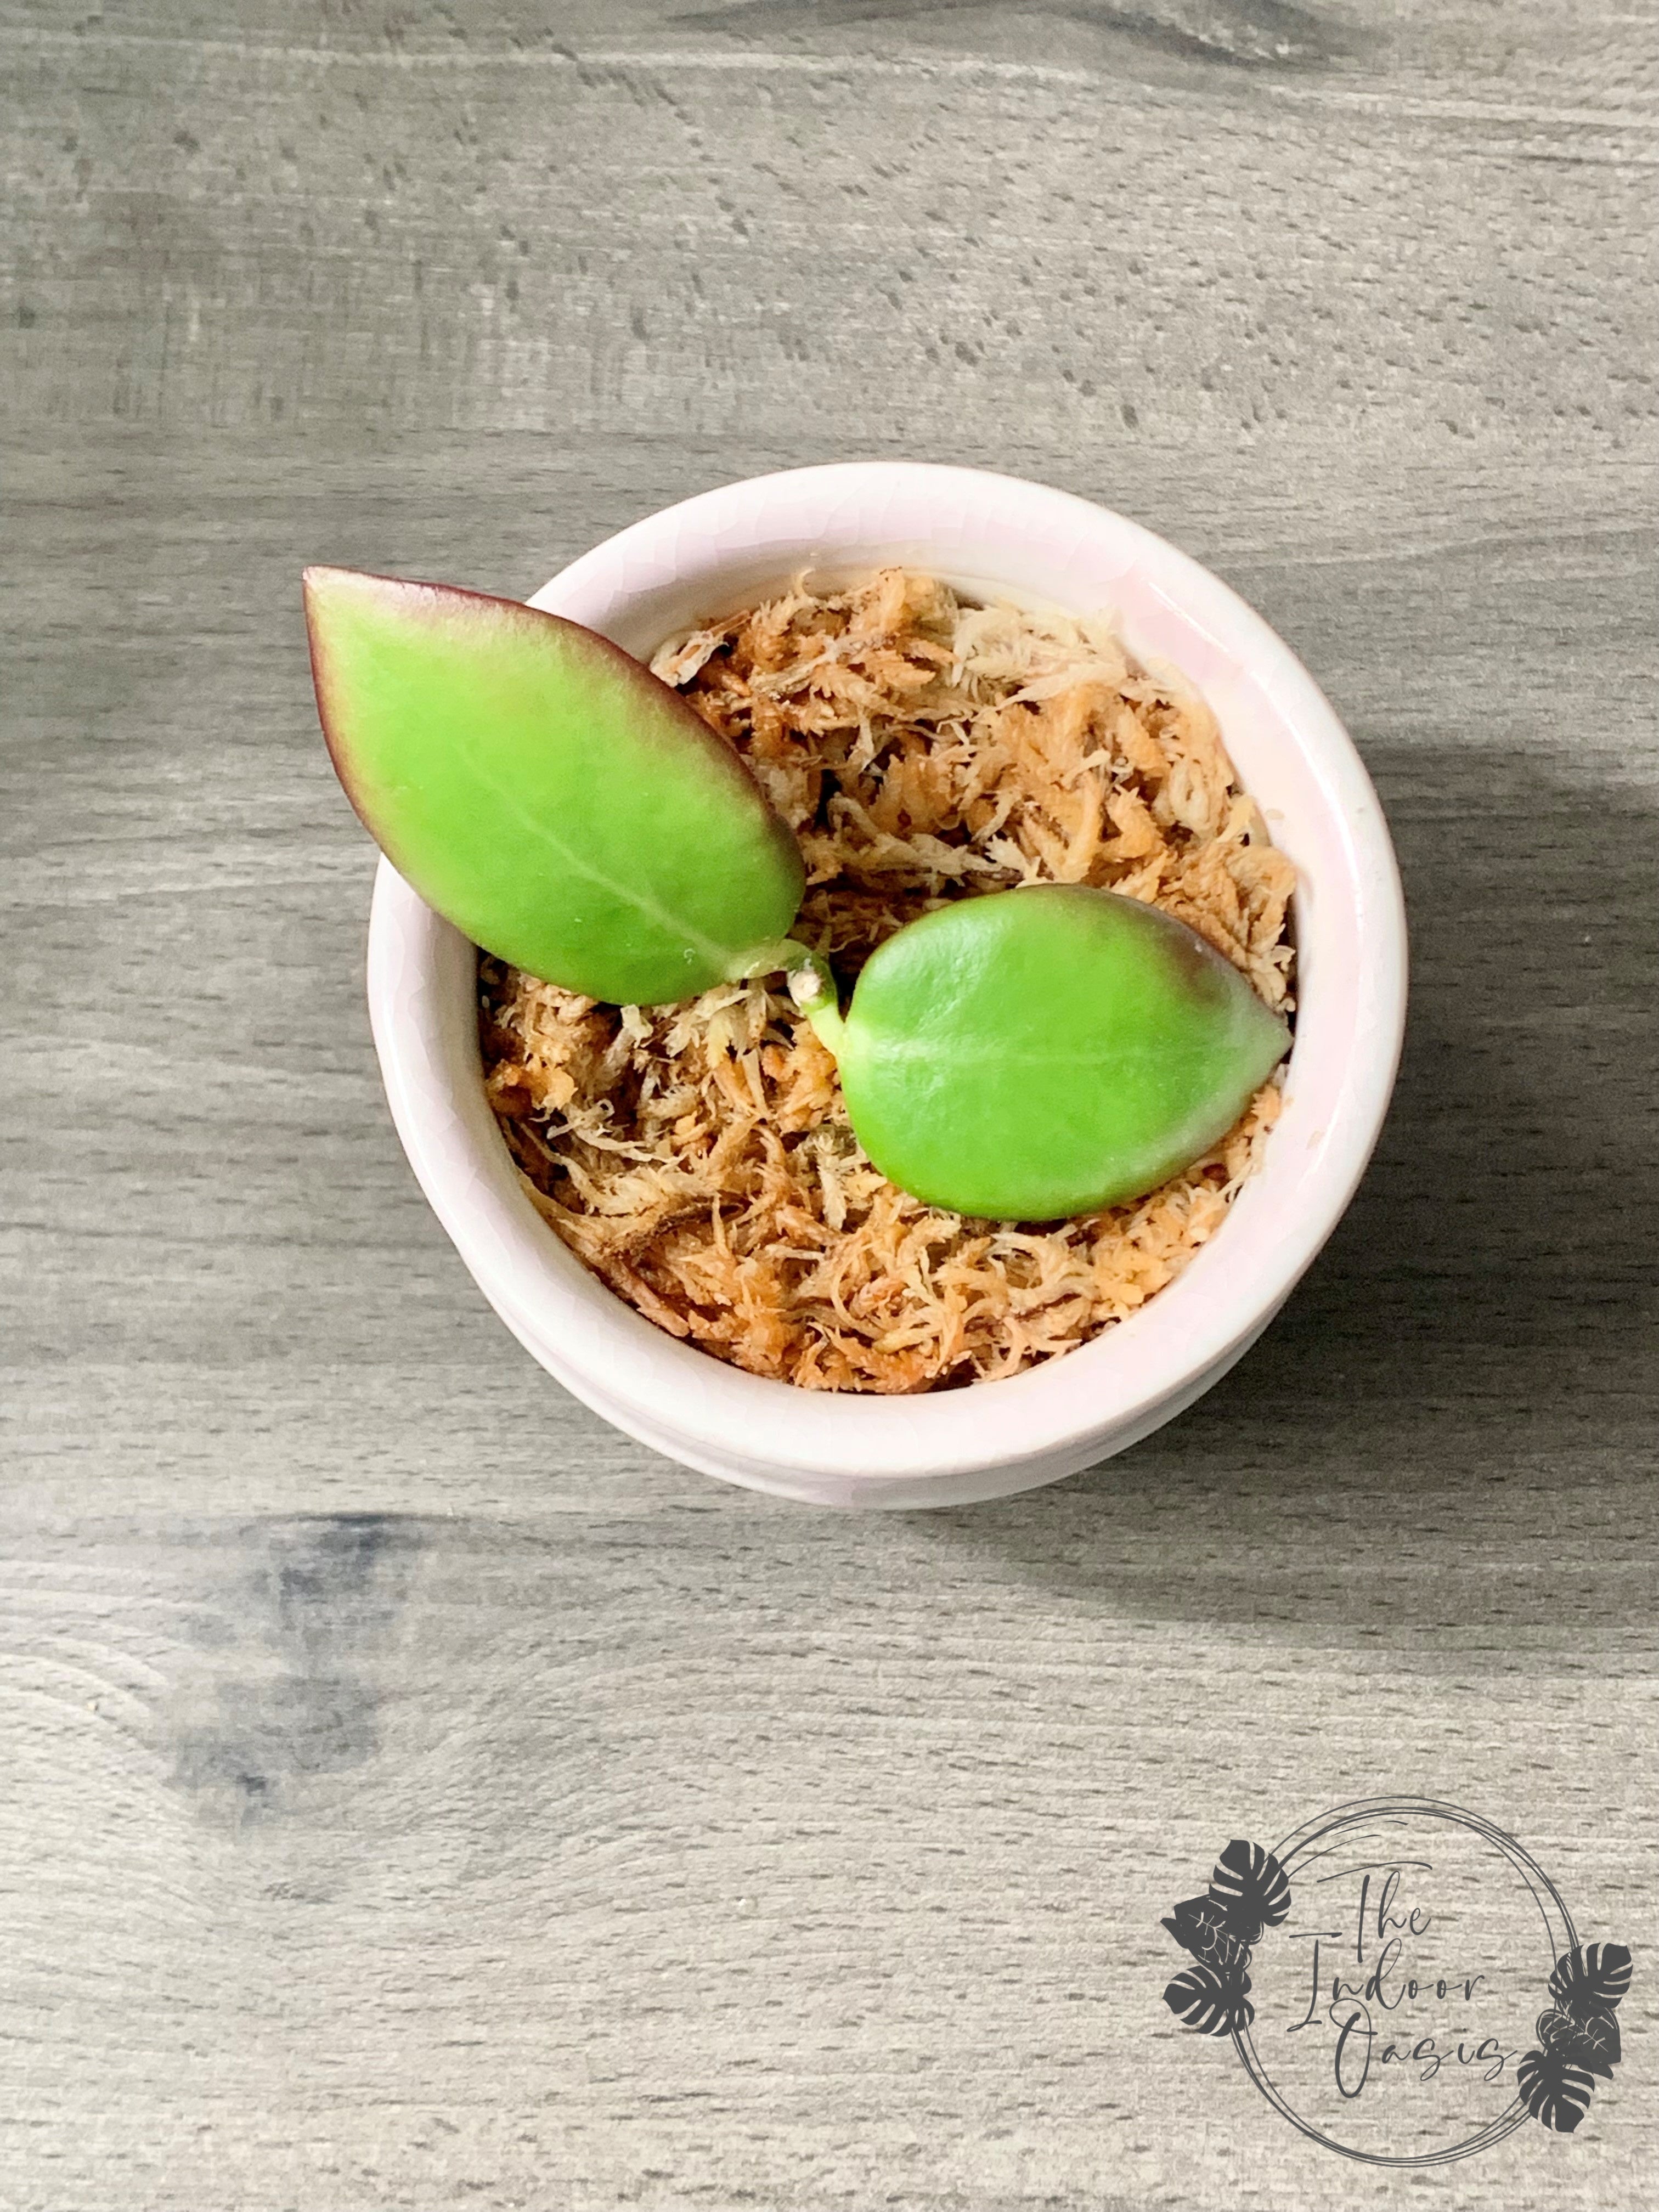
x: 416, y: 1793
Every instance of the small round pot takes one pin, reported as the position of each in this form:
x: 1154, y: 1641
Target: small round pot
x: 990, y: 536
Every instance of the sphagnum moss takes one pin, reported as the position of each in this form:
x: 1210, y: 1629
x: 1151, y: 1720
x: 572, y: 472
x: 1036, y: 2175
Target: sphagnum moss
x: 698, y: 1157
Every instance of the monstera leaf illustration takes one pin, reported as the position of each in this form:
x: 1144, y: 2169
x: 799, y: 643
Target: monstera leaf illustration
x: 1209, y: 2001
x: 1249, y: 1886
x: 1591, y: 1980
x: 1200, y: 1926
x: 1553, y: 2090
x: 1592, y: 2044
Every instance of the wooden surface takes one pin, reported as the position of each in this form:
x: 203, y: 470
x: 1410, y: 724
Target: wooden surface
x: 413, y: 1794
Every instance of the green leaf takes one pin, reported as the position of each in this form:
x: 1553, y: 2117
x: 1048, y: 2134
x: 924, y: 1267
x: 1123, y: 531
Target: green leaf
x: 1042, y: 1053
x: 545, y: 792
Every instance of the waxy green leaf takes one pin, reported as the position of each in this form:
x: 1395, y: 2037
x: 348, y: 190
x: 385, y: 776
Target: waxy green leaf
x: 1041, y: 1053
x: 545, y: 792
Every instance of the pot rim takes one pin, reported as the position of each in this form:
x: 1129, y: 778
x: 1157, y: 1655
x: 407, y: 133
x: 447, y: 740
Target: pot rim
x: 731, y: 542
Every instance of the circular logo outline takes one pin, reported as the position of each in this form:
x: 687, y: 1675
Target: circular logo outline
x: 1250, y: 1893
x: 1296, y: 1848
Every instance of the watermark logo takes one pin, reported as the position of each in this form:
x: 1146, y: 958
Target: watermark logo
x: 1401, y: 1981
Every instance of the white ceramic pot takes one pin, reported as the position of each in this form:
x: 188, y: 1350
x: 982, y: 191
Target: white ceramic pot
x: 988, y: 535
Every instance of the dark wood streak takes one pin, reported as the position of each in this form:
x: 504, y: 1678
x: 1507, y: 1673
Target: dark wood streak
x: 1262, y: 33
x: 412, y: 1793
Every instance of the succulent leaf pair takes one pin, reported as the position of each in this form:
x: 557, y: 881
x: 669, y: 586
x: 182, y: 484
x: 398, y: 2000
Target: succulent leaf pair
x: 1024, y: 1055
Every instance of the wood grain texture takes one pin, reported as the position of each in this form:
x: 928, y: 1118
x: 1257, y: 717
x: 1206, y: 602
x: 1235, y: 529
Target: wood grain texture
x: 415, y: 1794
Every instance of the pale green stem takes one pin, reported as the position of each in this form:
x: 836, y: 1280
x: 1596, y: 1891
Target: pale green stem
x: 811, y: 986
x: 827, y: 1025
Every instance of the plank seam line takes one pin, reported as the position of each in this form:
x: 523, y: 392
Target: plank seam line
x: 1419, y: 108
